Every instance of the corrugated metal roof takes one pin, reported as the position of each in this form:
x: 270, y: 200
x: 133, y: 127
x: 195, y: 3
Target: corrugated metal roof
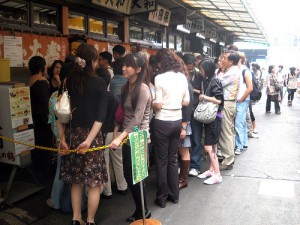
x: 234, y: 16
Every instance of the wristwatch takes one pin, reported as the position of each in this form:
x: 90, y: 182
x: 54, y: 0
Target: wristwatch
x: 183, y: 127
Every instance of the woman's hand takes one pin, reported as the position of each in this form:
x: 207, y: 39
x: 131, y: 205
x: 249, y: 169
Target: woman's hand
x: 83, y: 147
x: 115, y: 143
x: 201, y: 97
x: 64, y: 148
x: 182, y: 134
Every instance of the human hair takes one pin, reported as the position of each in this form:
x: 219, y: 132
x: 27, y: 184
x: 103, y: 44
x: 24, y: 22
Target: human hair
x: 70, y: 59
x: 106, y: 55
x: 293, y: 70
x: 118, y: 65
x: 180, y: 54
x: 233, y: 56
x: 271, y: 67
x: 104, y: 74
x: 233, y: 47
x: 135, y: 61
x: 209, y: 68
x: 36, y: 65
x: 280, y: 66
x: 80, y: 71
x: 247, y: 64
x: 168, y: 61
x: 199, y: 57
x: 119, y: 49
x: 189, y: 59
x: 50, y: 71
x: 242, y: 57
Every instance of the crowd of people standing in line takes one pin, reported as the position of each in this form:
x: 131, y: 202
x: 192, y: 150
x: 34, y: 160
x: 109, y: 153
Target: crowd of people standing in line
x: 157, y: 94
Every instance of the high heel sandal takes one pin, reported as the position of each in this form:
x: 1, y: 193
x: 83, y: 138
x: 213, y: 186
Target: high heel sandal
x: 77, y: 222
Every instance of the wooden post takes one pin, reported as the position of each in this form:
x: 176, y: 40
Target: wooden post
x: 64, y: 19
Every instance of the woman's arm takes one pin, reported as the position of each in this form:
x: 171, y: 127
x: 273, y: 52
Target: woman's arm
x: 248, y: 81
x: 81, y: 149
x: 209, y: 99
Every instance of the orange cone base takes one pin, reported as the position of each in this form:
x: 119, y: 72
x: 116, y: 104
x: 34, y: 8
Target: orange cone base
x: 148, y: 222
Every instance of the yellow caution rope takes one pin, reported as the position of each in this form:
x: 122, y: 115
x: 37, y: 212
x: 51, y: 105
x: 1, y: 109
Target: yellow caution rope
x: 57, y: 149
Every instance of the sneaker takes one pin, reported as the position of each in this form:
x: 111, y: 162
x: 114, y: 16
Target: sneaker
x: 238, y: 151
x: 214, y: 180
x: 255, y: 131
x: 252, y: 135
x: 193, y: 172
x: 206, y: 174
x: 219, y: 153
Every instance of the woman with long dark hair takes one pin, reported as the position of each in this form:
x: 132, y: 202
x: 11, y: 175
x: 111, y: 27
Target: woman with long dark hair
x: 171, y: 94
x: 89, y: 102
x: 136, y: 101
x: 53, y: 73
x: 213, y: 93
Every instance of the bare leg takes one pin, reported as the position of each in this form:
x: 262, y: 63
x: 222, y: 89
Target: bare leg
x: 76, y: 196
x: 93, y: 203
x: 214, y: 164
x: 184, y: 153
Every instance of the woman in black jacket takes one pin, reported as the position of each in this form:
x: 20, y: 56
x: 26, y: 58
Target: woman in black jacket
x: 213, y: 93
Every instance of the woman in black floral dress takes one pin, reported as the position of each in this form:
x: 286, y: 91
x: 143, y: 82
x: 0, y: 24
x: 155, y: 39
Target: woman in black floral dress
x: 88, y: 100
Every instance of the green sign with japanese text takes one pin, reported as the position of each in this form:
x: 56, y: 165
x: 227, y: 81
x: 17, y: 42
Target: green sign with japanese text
x: 139, y: 143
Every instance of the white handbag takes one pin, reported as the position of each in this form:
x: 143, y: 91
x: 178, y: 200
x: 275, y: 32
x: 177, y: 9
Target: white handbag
x: 206, y: 112
x: 62, y: 107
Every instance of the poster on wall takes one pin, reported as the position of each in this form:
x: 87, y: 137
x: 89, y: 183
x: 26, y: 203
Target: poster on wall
x: 26, y: 136
x: 116, y: 5
x: 139, y: 6
x: 13, y: 50
x: 20, y: 107
x: 160, y: 16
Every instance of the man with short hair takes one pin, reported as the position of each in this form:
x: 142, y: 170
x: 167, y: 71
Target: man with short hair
x: 197, y: 127
x: 105, y: 59
x: 242, y: 105
x: 118, y: 51
x: 230, y: 82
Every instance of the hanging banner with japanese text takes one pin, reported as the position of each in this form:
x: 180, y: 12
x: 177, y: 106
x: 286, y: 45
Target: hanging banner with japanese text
x: 139, y: 6
x: 161, y: 16
x: 178, y: 16
x: 139, y: 143
x: 122, y: 6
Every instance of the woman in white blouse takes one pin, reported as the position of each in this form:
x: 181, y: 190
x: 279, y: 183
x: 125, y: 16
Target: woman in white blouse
x: 171, y: 94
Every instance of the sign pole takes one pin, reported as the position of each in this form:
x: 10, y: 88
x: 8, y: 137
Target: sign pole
x: 138, y: 144
x: 143, y: 202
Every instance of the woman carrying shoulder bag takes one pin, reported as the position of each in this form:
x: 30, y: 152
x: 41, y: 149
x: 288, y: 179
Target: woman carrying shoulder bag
x: 213, y: 93
x: 88, y: 98
x: 136, y: 102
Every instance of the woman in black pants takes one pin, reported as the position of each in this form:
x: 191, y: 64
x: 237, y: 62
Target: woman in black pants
x: 136, y: 102
x: 172, y: 93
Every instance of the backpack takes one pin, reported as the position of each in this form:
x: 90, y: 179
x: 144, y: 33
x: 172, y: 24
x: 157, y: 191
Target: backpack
x: 255, y: 94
